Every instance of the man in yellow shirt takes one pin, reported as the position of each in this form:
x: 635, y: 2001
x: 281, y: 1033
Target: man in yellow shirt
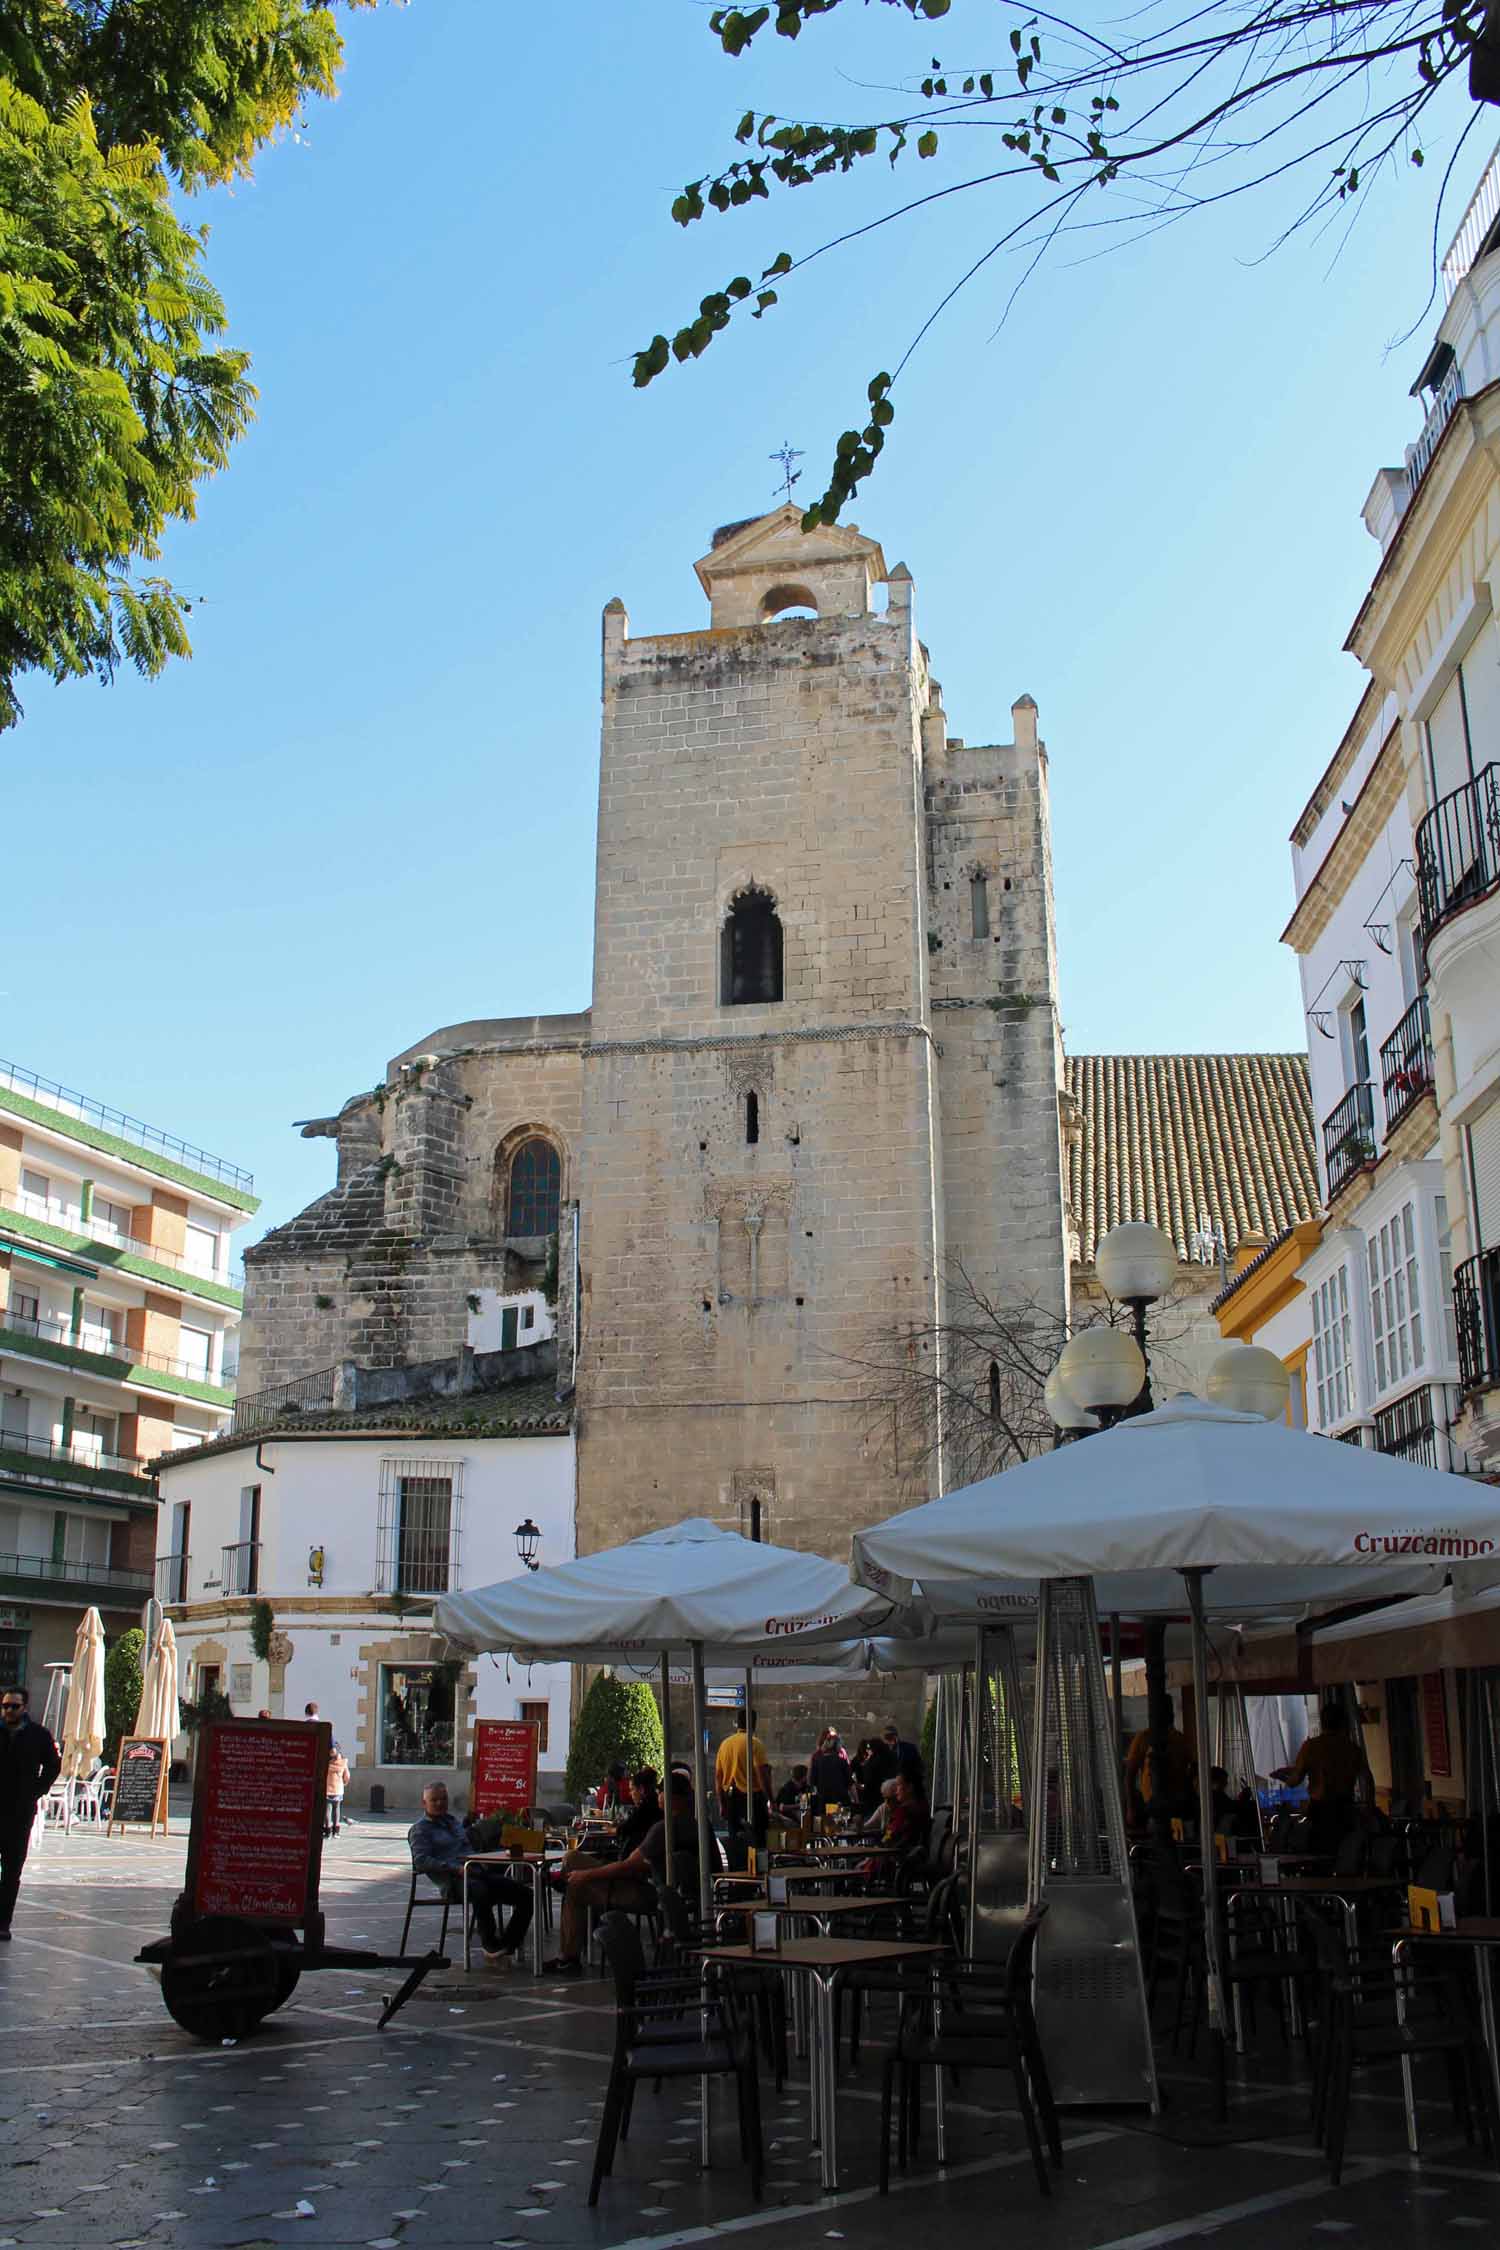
x: 744, y: 1796
x: 1169, y: 1791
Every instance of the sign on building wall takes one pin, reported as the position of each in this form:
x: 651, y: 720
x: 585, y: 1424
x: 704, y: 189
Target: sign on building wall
x: 256, y: 1844
x: 504, y: 1771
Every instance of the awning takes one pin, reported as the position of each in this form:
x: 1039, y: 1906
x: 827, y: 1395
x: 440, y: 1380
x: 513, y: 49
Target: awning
x: 1450, y: 1630
x: 16, y: 1249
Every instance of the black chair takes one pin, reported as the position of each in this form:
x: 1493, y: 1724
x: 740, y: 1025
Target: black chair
x: 761, y: 1991
x: 444, y: 1899
x: 1357, y: 2023
x: 971, y: 2016
x: 666, y: 2028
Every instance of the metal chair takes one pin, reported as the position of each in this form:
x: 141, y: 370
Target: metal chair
x: 666, y: 2028
x: 444, y: 1899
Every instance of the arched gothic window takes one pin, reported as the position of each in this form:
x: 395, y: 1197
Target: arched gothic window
x: 534, y: 1189
x: 750, y: 952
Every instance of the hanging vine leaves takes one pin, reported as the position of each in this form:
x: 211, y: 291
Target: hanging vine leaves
x: 1190, y: 109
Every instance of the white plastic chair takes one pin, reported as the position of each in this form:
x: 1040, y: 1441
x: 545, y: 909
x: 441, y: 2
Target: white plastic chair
x: 57, y: 1805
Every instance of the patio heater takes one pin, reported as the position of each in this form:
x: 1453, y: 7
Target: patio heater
x: 1090, y: 1989
x: 995, y: 1852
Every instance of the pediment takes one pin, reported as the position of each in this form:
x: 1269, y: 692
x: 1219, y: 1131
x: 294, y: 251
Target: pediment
x: 776, y: 545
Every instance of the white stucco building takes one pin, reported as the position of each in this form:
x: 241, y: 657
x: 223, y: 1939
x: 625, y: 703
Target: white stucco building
x: 349, y: 1513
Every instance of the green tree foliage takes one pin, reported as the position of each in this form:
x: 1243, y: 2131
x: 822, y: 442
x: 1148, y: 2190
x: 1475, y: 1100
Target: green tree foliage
x: 122, y: 1688
x: 262, y: 1626
x: 618, y: 1725
x: 1076, y: 132
x: 118, y: 394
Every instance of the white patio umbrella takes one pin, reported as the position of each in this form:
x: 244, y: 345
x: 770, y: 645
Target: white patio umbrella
x: 156, y: 1716
x: 1194, y: 1507
x: 693, y: 1588
x: 83, y: 1720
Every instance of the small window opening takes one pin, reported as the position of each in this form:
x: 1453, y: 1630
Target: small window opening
x: 979, y: 906
x: 750, y: 953
x: 994, y: 1390
x: 752, y: 1119
x: 788, y: 601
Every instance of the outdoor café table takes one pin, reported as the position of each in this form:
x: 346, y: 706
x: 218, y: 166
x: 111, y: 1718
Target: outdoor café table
x: 534, y: 1864
x: 824, y: 1960
x: 1480, y: 1932
x: 1345, y: 1890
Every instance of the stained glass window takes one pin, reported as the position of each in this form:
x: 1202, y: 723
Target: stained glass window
x: 535, y: 1189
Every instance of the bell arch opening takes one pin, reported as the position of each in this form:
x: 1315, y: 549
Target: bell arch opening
x: 751, y: 952
x: 788, y: 601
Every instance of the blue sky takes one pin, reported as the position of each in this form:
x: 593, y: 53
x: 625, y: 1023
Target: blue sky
x: 366, y: 807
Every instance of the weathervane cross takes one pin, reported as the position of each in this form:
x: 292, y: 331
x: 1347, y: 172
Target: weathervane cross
x: 789, y: 476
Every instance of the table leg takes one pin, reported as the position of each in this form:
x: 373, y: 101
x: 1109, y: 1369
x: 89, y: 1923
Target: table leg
x: 464, y: 1911
x: 1484, y: 1970
x: 1408, y: 2091
x: 705, y: 2121
x: 538, y: 1895
x: 823, y: 2049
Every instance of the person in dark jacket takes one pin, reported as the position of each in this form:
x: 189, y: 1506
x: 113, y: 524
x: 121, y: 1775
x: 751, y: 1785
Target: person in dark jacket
x: 831, y: 1775
x: 29, y: 1764
x: 439, y: 1847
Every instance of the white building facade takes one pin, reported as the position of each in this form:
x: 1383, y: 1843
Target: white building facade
x: 119, y: 1312
x: 349, y: 1524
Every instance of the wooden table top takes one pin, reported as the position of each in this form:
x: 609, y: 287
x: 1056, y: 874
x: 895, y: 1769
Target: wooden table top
x: 761, y: 1904
x: 1472, y: 1929
x: 1356, y: 1886
x: 825, y: 1953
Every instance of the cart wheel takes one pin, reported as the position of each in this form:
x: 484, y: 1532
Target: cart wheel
x: 288, y: 1969
x: 222, y: 1979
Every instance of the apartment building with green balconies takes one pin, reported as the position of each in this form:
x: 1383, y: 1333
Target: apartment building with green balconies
x: 119, y: 1313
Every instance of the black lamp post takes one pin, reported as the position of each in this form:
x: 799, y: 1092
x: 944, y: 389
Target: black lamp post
x: 528, y: 1539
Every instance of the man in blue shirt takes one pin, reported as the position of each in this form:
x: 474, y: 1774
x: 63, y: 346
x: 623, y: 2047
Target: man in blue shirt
x: 439, y: 1848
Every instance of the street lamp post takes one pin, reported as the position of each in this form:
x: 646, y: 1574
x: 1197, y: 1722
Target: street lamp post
x: 528, y: 1539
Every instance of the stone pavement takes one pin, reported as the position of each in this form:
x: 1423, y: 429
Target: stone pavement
x: 470, y: 2122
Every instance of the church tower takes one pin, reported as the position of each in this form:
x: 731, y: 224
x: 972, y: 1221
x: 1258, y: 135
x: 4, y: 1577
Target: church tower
x: 821, y: 927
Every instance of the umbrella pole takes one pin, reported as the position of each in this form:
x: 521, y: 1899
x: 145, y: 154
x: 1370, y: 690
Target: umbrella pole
x: 749, y: 1764
x: 666, y: 1762
x: 976, y: 1782
x: 1193, y: 1580
x: 700, y: 1785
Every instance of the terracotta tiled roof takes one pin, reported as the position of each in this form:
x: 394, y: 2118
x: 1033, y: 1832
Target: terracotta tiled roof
x: 1183, y: 1139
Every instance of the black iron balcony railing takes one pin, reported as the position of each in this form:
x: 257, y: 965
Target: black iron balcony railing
x: 1406, y: 1428
x: 1458, y: 850
x: 172, y: 1577
x: 1406, y: 1062
x: 48, y: 1570
x: 241, y: 1571
x: 310, y: 1394
x: 1349, y: 1136
x: 1476, y: 1307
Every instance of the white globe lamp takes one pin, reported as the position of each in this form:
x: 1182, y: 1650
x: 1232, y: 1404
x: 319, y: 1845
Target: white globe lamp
x: 1063, y: 1407
x: 1251, y: 1380
x: 1102, y: 1370
x: 1136, y: 1263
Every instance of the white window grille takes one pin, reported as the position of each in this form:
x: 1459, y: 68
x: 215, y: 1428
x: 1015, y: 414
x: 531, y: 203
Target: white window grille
x: 419, y: 1529
x: 1395, y: 1299
x: 1331, y: 1348
x: 1445, y: 1278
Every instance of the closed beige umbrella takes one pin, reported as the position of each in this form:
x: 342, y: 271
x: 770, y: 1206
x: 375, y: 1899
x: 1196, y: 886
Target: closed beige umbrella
x: 83, y: 1720
x: 157, y: 1715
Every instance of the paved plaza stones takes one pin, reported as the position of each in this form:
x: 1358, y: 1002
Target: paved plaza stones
x: 470, y: 2122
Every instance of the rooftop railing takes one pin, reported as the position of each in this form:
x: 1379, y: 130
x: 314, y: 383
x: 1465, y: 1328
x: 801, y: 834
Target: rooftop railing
x: 309, y: 1394
x: 1484, y: 209
x: 90, y: 1112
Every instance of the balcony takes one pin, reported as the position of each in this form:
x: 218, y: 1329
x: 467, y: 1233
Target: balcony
x: 50, y: 1095
x: 310, y: 1394
x: 1476, y: 1306
x: 1349, y: 1137
x: 240, y: 1573
x: 1406, y: 1062
x: 80, y: 1461
x: 53, y: 1212
x: 45, y: 1570
x: 1458, y: 851
x: 58, y: 1334
x: 1474, y: 228
x: 1439, y: 415
x: 1407, y: 1430
x: 172, y: 1577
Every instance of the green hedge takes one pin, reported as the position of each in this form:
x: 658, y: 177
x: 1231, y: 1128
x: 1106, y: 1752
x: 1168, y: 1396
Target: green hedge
x: 618, y: 1725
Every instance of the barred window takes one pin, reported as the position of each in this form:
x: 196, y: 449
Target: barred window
x: 419, y: 1543
x: 535, y: 1195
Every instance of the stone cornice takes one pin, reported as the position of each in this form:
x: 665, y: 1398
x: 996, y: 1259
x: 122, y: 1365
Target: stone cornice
x: 1346, y: 855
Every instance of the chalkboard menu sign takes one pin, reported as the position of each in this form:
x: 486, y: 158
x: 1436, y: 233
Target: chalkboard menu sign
x: 257, y: 1836
x: 140, y: 1778
x: 504, y: 1776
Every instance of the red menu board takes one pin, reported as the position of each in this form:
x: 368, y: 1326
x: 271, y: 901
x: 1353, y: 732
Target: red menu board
x: 504, y: 1777
x: 257, y: 1833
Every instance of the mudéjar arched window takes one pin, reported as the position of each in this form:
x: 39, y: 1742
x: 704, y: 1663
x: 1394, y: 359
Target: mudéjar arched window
x: 750, y: 951
x: 534, y: 1189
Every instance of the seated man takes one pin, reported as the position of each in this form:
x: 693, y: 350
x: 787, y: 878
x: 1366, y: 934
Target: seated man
x: 906, y: 1826
x: 626, y: 1882
x: 439, y: 1848
x: 793, y: 1790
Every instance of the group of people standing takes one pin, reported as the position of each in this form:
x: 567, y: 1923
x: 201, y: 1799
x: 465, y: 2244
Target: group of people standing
x: 861, y: 1784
